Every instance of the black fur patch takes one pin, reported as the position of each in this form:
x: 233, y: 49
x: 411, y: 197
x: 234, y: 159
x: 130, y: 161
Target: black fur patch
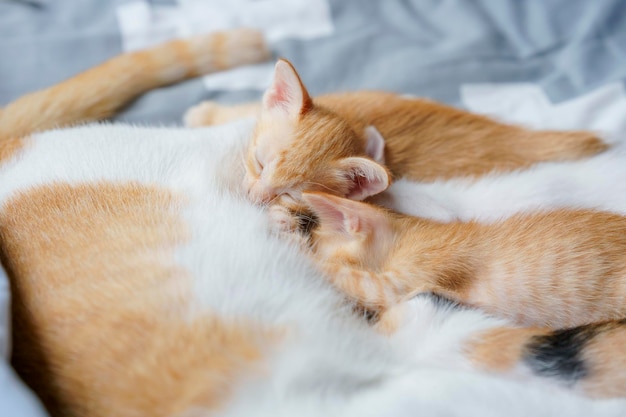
x: 559, y: 354
x: 307, y: 221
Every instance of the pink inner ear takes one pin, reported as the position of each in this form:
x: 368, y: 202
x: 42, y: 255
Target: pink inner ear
x: 336, y: 213
x: 324, y: 206
x: 368, y: 178
x: 277, y: 95
x: 287, y: 92
x: 364, y: 188
x: 352, y: 223
x: 375, y: 147
x: 346, y: 216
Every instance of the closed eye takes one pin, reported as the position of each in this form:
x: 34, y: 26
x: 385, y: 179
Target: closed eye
x: 258, y: 167
x: 253, y: 165
x: 257, y: 161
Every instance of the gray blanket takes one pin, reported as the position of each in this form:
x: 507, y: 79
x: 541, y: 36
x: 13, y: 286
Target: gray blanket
x: 420, y: 47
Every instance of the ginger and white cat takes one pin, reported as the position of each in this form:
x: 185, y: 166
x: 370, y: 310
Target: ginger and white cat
x: 145, y: 284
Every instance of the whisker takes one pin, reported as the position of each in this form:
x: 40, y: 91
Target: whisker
x: 319, y: 185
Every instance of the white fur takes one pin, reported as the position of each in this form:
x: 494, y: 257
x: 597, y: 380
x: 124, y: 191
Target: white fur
x: 331, y: 363
x: 594, y: 183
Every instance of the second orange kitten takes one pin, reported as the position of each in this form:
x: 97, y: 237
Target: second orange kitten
x: 558, y: 269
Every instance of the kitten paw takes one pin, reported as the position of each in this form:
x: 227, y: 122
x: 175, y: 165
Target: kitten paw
x: 203, y: 114
x: 282, y: 220
x: 285, y: 225
x: 210, y: 113
x: 390, y: 320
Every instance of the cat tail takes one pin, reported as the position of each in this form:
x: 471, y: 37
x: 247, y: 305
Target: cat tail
x: 589, y: 359
x: 100, y: 91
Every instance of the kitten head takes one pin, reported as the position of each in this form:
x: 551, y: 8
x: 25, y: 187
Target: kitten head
x: 299, y: 146
x: 350, y: 232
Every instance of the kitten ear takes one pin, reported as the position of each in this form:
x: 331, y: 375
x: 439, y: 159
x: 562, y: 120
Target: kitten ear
x: 367, y: 177
x: 333, y: 212
x: 375, y: 147
x: 287, y: 93
x: 341, y: 214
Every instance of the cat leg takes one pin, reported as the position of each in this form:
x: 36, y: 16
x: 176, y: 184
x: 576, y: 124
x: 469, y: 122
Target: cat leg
x: 390, y: 320
x: 377, y: 291
x: 210, y: 113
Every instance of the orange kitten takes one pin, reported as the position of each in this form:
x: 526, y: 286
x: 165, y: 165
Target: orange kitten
x: 325, y: 144
x: 558, y: 269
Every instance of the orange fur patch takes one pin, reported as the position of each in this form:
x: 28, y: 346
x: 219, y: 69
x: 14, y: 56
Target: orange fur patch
x: 606, y: 360
x: 390, y: 320
x: 103, y: 316
x: 500, y: 349
x: 9, y: 148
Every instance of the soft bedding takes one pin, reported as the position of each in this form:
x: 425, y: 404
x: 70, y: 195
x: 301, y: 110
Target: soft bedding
x: 546, y: 64
x: 420, y: 47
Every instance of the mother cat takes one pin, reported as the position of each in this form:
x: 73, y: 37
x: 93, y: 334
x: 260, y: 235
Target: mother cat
x: 143, y: 284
